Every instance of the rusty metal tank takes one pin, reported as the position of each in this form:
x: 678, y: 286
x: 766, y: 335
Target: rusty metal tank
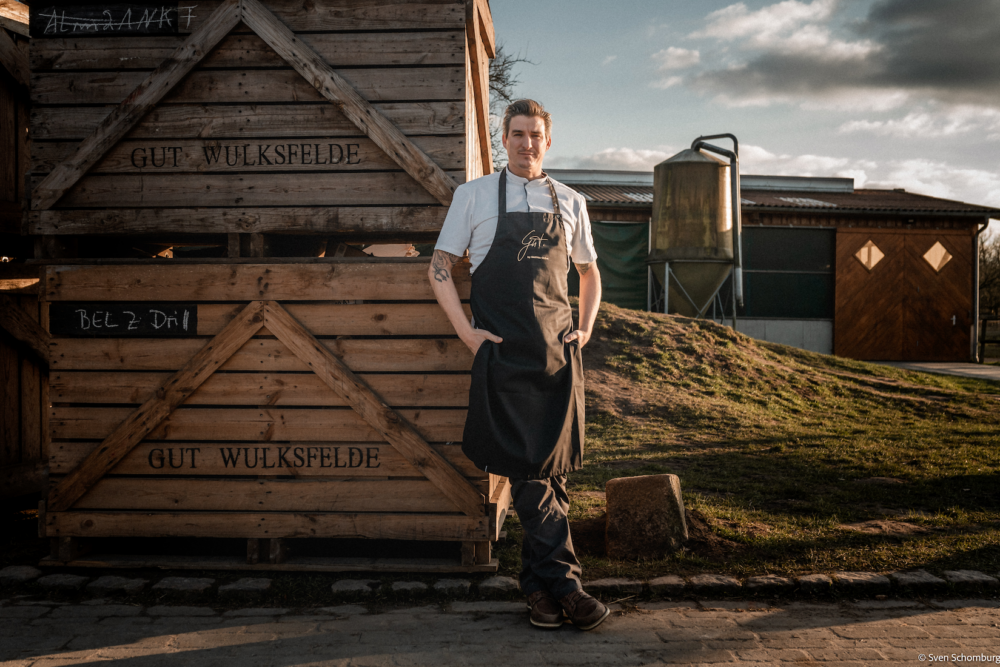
x: 691, y: 229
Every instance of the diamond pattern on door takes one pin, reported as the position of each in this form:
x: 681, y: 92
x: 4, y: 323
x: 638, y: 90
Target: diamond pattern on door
x: 869, y: 255
x: 937, y: 256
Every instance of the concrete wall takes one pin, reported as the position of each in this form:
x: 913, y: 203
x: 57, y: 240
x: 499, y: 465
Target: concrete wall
x: 813, y: 335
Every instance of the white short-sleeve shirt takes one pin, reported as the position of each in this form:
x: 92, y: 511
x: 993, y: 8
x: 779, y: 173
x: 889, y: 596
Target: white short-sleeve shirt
x: 472, y: 219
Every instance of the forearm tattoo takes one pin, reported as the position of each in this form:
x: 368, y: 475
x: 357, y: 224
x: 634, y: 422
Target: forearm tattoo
x: 583, y: 268
x: 442, y: 262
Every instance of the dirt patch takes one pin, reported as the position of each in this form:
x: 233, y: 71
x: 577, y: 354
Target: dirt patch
x: 880, y: 481
x: 705, y: 543
x: 884, y: 527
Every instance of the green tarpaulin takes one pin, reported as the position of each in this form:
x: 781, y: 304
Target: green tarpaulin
x: 621, y: 257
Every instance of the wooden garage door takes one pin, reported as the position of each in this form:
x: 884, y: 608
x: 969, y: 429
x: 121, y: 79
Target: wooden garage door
x: 911, y: 302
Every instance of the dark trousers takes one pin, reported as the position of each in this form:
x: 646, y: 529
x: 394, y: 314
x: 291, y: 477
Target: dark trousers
x: 547, y: 558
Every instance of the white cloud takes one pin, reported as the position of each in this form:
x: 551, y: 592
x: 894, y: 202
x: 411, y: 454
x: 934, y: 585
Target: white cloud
x: 737, y: 21
x: 676, y: 58
x: 609, y: 60
x: 932, y: 124
x: 940, y: 179
x: 666, y: 82
x: 758, y: 160
x: 626, y: 159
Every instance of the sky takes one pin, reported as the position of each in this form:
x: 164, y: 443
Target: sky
x: 892, y: 93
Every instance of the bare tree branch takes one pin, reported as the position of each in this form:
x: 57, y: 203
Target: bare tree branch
x: 503, y: 83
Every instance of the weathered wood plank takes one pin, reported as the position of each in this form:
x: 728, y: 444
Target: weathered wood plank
x: 266, y: 154
x: 313, y: 189
x: 249, y: 51
x: 480, y: 74
x: 252, y: 424
x: 139, y: 101
x: 31, y: 411
x: 326, y: 219
x: 10, y: 406
x: 214, y: 495
x: 341, y: 92
x: 257, y: 86
x: 332, y: 319
x: 207, y: 121
x: 266, y: 525
x: 14, y: 17
x: 348, y: 460
x: 138, y: 424
x: 22, y: 328
x: 22, y: 479
x: 486, y: 31
x: 13, y: 60
x: 263, y: 355
x: 279, y: 389
x: 401, y: 432
x: 338, y: 279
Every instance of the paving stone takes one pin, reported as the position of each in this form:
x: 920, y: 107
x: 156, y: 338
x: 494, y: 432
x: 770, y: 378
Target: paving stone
x: 668, y: 585
x: 409, y: 587
x: 110, y: 584
x: 343, y: 610
x: 645, y: 517
x: 183, y: 586
x: 354, y: 587
x: 176, y: 610
x: 815, y: 584
x: 256, y: 611
x: 661, y: 605
x: 861, y: 583
x: 453, y: 586
x: 18, y: 574
x: 769, y: 584
x: 23, y: 612
x: 63, y: 582
x: 245, y: 588
x: 715, y: 584
x: 886, y: 604
x: 966, y: 604
x: 95, y: 611
x: 613, y: 586
x: 970, y: 579
x: 498, y: 586
x: 917, y: 581
x: 489, y: 607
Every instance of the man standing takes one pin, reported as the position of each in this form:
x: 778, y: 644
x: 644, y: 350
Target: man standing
x: 526, y: 405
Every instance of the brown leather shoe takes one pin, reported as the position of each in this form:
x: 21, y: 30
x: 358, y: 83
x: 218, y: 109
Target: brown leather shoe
x: 585, y: 612
x: 545, y: 611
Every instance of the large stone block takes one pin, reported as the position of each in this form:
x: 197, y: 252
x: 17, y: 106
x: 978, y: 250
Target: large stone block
x: 645, y: 516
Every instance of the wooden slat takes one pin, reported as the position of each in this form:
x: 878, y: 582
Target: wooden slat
x: 214, y: 495
x: 31, y: 412
x: 208, y: 121
x: 326, y: 219
x: 315, y: 153
x: 330, y: 319
x: 343, y: 279
x: 10, y: 406
x: 22, y: 328
x: 263, y: 355
x: 135, y: 106
x: 227, y: 86
x: 13, y: 59
x: 14, y: 17
x: 250, y: 51
x: 480, y: 65
x: 486, y: 32
x: 398, y: 428
x: 315, y: 189
x: 365, y: 460
x: 279, y: 389
x: 252, y: 424
x: 339, y: 90
x: 8, y: 164
x: 266, y: 524
x: 128, y: 433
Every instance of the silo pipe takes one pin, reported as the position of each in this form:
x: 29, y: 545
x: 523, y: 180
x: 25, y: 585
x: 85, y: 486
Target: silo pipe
x: 734, y: 184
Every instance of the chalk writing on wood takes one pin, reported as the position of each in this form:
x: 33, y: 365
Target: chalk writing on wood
x: 123, y: 320
x: 80, y: 19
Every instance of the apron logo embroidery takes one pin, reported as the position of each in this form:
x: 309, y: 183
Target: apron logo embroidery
x: 528, y: 242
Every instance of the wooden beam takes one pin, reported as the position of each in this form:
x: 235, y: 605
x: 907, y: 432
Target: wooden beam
x: 480, y: 83
x: 356, y: 392
x: 486, y: 31
x: 14, y: 17
x: 139, y: 424
x: 14, y: 60
x: 22, y: 328
x: 334, y: 88
x: 134, y: 107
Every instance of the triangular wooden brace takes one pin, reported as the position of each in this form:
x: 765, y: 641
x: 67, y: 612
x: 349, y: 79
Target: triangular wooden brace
x: 158, y: 407
x: 370, y: 407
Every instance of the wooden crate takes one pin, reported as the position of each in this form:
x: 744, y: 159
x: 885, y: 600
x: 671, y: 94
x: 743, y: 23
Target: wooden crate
x: 262, y: 401
x: 336, y: 118
x: 23, y: 383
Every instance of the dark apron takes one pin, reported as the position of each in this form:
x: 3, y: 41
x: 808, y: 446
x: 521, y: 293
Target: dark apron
x: 526, y: 404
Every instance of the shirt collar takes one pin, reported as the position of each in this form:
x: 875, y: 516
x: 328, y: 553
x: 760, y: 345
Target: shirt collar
x: 514, y: 178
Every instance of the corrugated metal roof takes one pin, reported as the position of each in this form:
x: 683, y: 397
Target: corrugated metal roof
x: 875, y: 201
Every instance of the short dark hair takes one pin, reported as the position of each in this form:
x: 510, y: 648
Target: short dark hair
x: 529, y: 108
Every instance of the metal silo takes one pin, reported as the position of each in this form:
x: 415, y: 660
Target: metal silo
x: 692, y: 234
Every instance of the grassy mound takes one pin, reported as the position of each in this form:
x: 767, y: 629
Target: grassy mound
x: 790, y: 461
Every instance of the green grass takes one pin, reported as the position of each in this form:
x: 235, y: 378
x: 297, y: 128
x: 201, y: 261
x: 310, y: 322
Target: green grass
x: 777, y: 448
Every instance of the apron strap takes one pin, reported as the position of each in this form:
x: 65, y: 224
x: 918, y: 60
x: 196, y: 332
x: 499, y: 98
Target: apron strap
x: 555, y: 200
x: 502, y: 200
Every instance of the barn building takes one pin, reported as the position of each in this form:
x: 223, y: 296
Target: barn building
x: 862, y: 273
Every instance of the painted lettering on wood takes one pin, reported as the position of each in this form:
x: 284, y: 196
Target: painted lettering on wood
x: 123, y: 320
x: 80, y: 19
x: 267, y: 458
